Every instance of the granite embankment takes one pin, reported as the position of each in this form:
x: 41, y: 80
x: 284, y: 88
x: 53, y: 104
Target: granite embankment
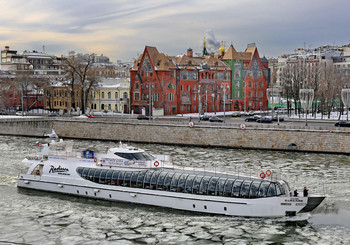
x: 328, y: 140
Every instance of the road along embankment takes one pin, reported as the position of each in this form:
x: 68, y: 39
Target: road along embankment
x: 267, y: 137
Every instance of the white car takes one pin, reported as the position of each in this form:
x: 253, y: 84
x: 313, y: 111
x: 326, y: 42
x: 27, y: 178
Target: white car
x: 20, y: 113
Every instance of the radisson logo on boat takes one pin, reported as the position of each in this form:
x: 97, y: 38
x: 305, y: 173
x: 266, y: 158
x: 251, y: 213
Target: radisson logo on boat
x: 59, y: 170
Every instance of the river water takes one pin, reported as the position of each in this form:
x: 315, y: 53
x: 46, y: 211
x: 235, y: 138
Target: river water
x: 34, y: 217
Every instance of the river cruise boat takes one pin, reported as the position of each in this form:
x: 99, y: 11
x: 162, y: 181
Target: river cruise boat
x: 128, y: 174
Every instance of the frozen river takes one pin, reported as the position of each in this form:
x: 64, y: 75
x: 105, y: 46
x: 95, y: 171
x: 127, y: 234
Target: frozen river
x: 33, y: 217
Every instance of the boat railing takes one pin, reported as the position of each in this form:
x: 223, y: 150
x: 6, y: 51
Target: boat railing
x: 64, y: 154
x: 272, y: 175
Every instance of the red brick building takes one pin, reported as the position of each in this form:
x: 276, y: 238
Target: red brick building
x: 179, y: 84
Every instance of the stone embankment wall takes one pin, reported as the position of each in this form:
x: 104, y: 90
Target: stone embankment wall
x: 271, y: 137
x: 25, y: 127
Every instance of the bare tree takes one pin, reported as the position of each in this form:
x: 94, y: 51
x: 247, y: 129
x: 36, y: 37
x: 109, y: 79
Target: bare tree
x: 82, y: 74
x: 23, y: 83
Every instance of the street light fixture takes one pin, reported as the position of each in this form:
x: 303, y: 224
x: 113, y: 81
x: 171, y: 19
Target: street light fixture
x: 306, y: 97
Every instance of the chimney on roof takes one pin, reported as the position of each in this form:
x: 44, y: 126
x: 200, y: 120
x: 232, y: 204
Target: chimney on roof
x: 189, y: 52
x: 7, y: 48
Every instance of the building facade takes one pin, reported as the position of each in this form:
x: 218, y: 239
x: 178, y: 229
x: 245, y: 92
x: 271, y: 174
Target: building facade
x: 110, y: 95
x: 250, y: 76
x: 179, y: 84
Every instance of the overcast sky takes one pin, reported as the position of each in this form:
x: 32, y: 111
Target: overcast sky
x: 120, y: 29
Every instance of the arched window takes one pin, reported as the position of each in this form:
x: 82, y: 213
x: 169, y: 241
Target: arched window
x: 116, y: 95
x: 109, y: 95
x: 103, y: 95
x: 125, y: 95
x: 102, y: 107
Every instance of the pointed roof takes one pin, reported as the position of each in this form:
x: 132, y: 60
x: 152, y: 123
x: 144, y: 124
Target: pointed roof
x: 232, y: 54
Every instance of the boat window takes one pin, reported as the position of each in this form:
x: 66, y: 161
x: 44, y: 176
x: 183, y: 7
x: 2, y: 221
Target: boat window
x: 272, y: 190
x: 91, y: 174
x: 189, y: 183
x: 97, y: 175
x: 181, y: 183
x: 114, y: 179
x: 212, y: 185
x: 109, y: 177
x: 279, y: 189
x: 147, y: 180
x: 140, y: 178
x: 134, y: 179
x: 120, y: 178
x: 167, y: 181
x: 103, y: 176
x: 220, y: 186
x: 154, y: 180
x: 236, y: 188
x: 80, y: 170
x: 245, y: 188
x: 204, y: 185
x: 196, y: 184
x: 263, y: 188
x: 85, y: 172
x: 140, y: 156
x: 174, y: 182
x: 127, y: 179
x: 228, y: 187
x: 254, y: 189
x: 160, y: 181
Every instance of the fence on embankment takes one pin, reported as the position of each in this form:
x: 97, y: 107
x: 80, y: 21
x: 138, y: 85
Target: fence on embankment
x: 268, y: 137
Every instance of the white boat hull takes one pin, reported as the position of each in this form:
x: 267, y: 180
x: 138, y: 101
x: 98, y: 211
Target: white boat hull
x: 278, y: 206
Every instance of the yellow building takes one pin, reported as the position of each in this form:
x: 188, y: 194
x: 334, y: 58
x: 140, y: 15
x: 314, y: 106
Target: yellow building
x: 112, y: 94
x: 57, y: 96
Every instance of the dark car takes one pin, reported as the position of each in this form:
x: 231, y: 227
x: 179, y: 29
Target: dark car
x: 342, y: 124
x: 3, y: 113
x: 216, y: 119
x: 264, y: 120
x: 204, y: 118
x: 275, y: 118
x: 142, y: 117
x: 252, y: 119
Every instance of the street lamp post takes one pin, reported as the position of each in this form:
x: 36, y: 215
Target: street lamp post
x: 224, y: 88
x: 306, y: 97
x: 345, y: 96
x: 199, y: 102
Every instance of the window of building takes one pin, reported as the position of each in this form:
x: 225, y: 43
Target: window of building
x: 109, y: 95
x: 137, y: 86
x: 184, y: 75
x: 103, y: 95
x: 249, y: 94
x: 116, y: 95
x: 261, y: 94
x: 172, y: 74
x: 250, y: 84
x: 109, y: 107
x: 170, y: 96
x: 261, y: 84
x: 155, y: 97
x: 102, y: 107
x: 136, y: 96
x: 125, y: 95
x: 237, y: 95
x: 182, y: 88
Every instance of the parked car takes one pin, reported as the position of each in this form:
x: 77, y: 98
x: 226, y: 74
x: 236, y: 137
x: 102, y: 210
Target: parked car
x: 276, y: 119
x: 204, y: 118
x: 216, y: 119
x: 90, y: 116
x: 3, y: 113
x: 142, y: 117
x: 236, y: 114
x: 342, y: 124
x: 249, y: 113
x: 52, y: 114
x: 264, y: 120
x: 252, y: 119
x: 20, y: 113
